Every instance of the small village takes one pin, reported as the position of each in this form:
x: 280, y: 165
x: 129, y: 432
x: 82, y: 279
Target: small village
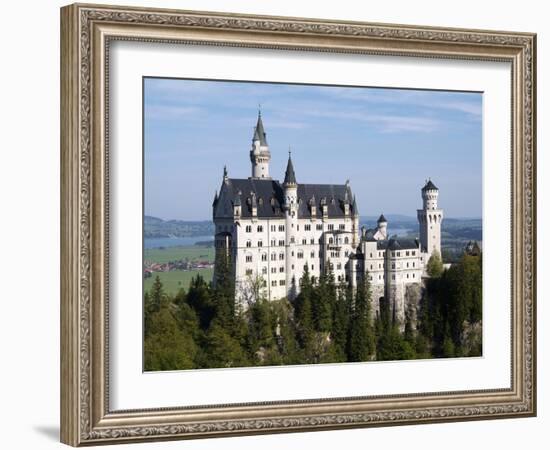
x: 149, y: 267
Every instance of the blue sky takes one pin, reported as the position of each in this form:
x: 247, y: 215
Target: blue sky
x: 387, y: 142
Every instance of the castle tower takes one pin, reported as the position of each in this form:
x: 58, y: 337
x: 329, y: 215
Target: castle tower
x: 382, y: 226
x: 429, y: 220
x: 259, y: 154
x: 290, y: 207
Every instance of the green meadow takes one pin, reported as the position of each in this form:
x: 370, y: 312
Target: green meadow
x: 174, y: 280
x: 167, y: 254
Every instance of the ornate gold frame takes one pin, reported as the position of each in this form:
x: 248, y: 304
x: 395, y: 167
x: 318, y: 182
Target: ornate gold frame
x: 86, y: 31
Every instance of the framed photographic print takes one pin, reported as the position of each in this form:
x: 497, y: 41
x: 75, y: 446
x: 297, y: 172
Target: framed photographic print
x: 277, y: 224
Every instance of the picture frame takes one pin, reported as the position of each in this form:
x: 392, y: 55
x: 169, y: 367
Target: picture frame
x: 87, y: 31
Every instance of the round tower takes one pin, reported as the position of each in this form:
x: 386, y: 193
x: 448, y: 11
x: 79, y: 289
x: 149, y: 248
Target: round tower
x: 259, y: 153
x: 429, y: 220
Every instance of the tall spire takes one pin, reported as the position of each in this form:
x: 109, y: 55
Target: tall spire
x: 290, y: 177
x: 259, y: 133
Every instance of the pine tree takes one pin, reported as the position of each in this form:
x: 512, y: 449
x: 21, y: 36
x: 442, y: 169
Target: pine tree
x: 361, y: 336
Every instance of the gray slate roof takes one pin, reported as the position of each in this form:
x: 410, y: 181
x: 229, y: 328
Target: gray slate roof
x: 270, y: 198
x: 398, y: 244
x: 290, y: 176
x: 430, y: 186
x: 259, y: 133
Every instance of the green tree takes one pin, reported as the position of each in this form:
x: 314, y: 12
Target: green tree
x: 435, y: 265
x: 220, y: 349
x: 361, y: 342
x: 166, y: 346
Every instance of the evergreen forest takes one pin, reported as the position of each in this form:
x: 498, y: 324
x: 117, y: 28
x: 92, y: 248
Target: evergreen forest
x: 204, y: 327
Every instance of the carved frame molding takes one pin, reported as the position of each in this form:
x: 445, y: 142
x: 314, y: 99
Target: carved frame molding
x: 86, y: 31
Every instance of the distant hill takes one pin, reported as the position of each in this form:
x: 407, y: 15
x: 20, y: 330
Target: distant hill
x: 153, y: 227
x: 452, y: 228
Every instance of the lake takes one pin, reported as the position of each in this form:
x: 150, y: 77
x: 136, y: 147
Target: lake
x: 174, y: 241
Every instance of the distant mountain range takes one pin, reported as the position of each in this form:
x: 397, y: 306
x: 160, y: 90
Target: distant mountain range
x: 154, y: 227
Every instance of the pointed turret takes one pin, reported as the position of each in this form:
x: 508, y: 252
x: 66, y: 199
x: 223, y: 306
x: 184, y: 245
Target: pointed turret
x: 259, y: 153
x: 354, y: 207
x: 215, y: 202
x: 290, y: 177
x: 259, y: 133
x: 382, y: 219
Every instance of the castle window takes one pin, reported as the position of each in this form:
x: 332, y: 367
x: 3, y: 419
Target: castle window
x: 379, y: 266
x: 379, y: 277
x: 393, y: 277
x: 398, y: 253
x: 339, y: 266
x: 312, y: 267
x: 273, y: 228
x: 249, y: 228
x: 281, y: 256
x: 248, y: 258
x: 273, y: 257
x: 249, y: 271
x: 292, y: 253
x: 371, y: 255
x: 346, y: 253
x: 264, y: 256
x: 331, y: 226
x: 407, y: 253
x: 292, y: 240
x: 274, y: 283
x: 319, y: 226
x: 300, y: 255
x: 264, y: 270
x: 281, y: 269
x: 281, y: 228
x: 331, y: 241
x: 274, y: 270
x: 414, y: 264
x: 282, y: 282
x: 248, y: 243
x: 393, y: 253
x: 307, y: 227
x: 346, y: 240
x: 407, y: 265
x: 312, y: 254
x: 260, y: 228
x: 371, y: 267
x: 304, y: 241
x: 413, y: 253
x: 312, y: 241
x: 260, y: 244
x: 298, y: 227
x: 413, y: 275
x: 273, y: 242
x: 281, y: 243
x: 393, y: 265
x: 342, y: 226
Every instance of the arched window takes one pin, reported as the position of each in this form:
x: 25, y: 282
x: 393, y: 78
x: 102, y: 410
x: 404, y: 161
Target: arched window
x: 331, y: 241
x: 346, y: 240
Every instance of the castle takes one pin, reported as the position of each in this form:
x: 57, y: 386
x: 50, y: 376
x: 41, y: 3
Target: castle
x: 273, y: 230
